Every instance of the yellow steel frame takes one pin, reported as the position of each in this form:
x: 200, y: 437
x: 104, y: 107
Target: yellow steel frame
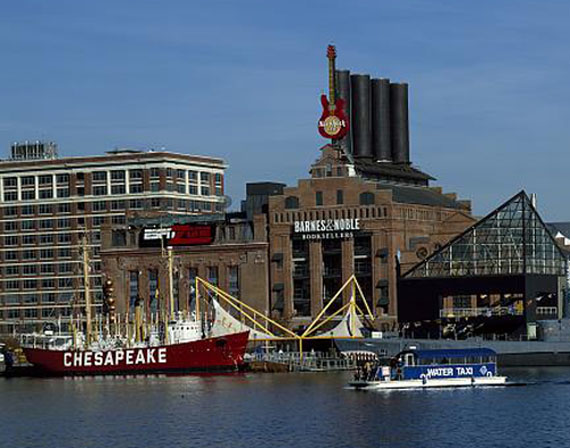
x: 351, y: 305
x: 256, y: 318
x: 261, y: 321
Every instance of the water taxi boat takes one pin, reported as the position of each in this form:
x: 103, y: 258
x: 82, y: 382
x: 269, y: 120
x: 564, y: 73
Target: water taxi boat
x: 422, y: 369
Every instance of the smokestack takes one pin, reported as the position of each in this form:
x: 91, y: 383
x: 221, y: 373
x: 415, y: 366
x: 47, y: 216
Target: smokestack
x: 343, y: 87
x: 381, y: 143
x: 361, y: 119
x: 399, y: 122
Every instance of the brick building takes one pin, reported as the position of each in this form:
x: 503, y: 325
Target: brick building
x: 47, y: 204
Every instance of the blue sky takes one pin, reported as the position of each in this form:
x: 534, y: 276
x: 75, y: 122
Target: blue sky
x: 489, y: 84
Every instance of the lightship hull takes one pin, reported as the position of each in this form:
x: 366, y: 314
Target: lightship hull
x: 223, y: 353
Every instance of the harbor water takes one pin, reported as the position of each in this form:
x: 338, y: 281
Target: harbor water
x: 280, y: 410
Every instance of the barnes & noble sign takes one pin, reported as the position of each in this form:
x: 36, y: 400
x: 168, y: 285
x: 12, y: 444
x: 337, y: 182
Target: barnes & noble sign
x: 325, y: 229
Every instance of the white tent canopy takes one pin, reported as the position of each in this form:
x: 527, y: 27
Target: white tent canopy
x: 225, y: 323
x: 350, y: 326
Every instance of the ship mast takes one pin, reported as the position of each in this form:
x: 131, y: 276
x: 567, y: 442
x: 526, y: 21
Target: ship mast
x: 170, y: 283
x: 87, y: 291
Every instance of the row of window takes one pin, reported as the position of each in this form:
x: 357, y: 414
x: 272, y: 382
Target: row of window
x: 101, y: 206
x: 366, y: 198
x: 41, y: 254
x: 46, y: 283
x: 30, y: 181
x: 35, y: 269
x: 135, y: 175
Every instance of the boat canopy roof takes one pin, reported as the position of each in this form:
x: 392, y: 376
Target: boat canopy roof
x: 452, y: 353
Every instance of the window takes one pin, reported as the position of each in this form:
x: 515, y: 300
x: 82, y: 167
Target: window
x: 63, y: 238
x: 64, y: 252
x: 367, y: 198
x: 47, y: 268
x: 65, y: 268
x: 12, y: 270
x: 118, y: 175
x: 98, y: 220
x: 28, y: 225
x: 62, y: 178
x: 48, y: 283
x: 46, y: 179
x: 10, y: 196
x: 10, y: 182
x: 28, y: 195
x: 117, y: 205
x: 46, y: 193
x: 118, y: 189
x: 10, y: 226
x: 193, y: 189
x: 181, y: 188
x: 119, y: 220
x: 155, y: 172
x: 181, y: 204
x: 169, y: 172
x: 99, y: 190
x: 218, y: 178
x: 46, y: 209
x: 10, y: 240
x: 205, y: 191
x: 28, y: 210
x: 154, y: 186
x: 12, y: 285
x: 30, y: 269
x: 99, y: 206
x: 100, y: 176
x: 29, y: 240
x: 28, y: 255
x: 153, y: 290
x: 319, y: 198
x: 339, y: 197
x: 64, y: 208
x: 233, y: 281
x: 136, y: 204
x: 212, y: 272
x: 133, y: 289
x: 219, y: 191
x: 28, y: 181
x: 10, y: 255
x: 291, y: 202
x: 180, y: 174
x: 136, y: 188
x: 169, y: 186
x: 135, y: 174
x: 65, y: 283
x: 11, y: 211
x: 63, y: 192
x: 62, y: 223
x: 46, y: 254
x: 46, y: 239
x: 193, y: 176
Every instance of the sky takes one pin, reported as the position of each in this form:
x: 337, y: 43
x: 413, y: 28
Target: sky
x: 489, y: 84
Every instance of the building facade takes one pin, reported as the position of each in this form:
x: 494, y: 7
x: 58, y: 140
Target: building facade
x: 47, y: 204
x: 339, y: 223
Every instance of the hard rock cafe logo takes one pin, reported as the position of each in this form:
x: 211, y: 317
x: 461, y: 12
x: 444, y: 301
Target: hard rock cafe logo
x: 332, y: 125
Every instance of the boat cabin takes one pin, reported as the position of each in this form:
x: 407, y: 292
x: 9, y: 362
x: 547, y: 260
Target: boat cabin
x: 446, y: 363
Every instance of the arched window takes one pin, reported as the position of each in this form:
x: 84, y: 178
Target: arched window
x: 367, y: 198
x: 291, y: 202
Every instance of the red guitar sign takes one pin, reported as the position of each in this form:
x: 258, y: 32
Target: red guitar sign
x: 333, y: 123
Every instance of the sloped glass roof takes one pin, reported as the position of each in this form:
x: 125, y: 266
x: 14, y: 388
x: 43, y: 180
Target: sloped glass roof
x: 511, y: 240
